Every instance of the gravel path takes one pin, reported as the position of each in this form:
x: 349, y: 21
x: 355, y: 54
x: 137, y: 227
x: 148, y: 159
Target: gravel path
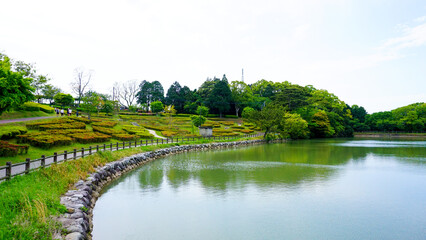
x: 155, y: 134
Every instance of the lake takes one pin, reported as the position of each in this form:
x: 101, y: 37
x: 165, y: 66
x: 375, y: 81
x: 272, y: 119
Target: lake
x: 310, y: 189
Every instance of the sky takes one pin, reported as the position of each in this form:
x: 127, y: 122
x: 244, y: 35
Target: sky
x: 371, y: 53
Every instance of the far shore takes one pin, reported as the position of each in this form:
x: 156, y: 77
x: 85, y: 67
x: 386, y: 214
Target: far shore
x: 419, y: 136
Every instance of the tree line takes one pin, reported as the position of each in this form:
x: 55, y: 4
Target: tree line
x: 276, y: 106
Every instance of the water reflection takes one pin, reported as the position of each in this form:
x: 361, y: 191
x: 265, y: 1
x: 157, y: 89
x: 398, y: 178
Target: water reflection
x: 272, y: 165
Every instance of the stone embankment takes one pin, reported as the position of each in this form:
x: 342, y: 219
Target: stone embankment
x: 77, y: 223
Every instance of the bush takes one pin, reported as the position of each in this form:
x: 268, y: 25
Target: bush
x: 227, y: 123
x: 246, y: 131
x: 108, y: 131
x: 44, y: 139
x: 237, y: 127
x: 169, y: 133
x: 37, y: 125
x: 81, y: 119
x: 138, y: 131
x: 8, y: 132
x: 31, y: 106
x: 91, y: 137
x: 124, y: 137
x: 108, y: 124
x: 11, y: 150
x: 231, y: 116
x: 72, y: 125
x: 46, y: 109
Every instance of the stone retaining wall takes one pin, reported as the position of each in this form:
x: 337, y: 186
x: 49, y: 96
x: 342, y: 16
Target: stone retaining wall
x: 80, y: 202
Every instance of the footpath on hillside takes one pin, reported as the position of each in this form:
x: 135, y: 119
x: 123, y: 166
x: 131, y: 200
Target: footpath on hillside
x: 24, y: 119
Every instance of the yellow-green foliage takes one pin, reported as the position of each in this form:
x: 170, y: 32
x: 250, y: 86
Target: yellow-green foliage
x: 8, y: 132
x: 138, y: 131
x: 32, y: 106
x: 109, y: 124
x: 108, y: 131
x: 168, y: 133
x: 227, y: 123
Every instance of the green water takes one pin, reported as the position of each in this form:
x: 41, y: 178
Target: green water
x: 314, y: 189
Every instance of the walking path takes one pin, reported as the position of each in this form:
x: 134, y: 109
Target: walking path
x: 150, y: 131
x: 23, y: 119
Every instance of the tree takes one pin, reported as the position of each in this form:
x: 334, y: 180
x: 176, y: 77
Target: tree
x: 63, y: 99
x: 14, y: 88
x: 169, y: 110
x: 292, y: 96
x: 128, y: 92
x: 49, y: 91
x: 294, y: 126
x: 241, y: 95
x: 263, y: 88
x: 221, y: 97
x: 320, y: 125
x: 82, y: 79
x: 150, y: 92
x: 157, y: 106
x: 206, y: 88
x: 268, y: 119
x: 247, y: 112
x: 202, y: 111
x: 92, y: 102
x: 198, y: 120
x: 29, y: 71
x: 176, y: 96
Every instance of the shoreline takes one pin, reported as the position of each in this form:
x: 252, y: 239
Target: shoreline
x: 81, y: 199
x: 390, y: 135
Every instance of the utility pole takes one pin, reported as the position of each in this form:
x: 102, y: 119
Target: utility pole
x: 242, y: 75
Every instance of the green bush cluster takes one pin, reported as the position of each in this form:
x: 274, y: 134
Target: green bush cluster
x: 32, y: 106
x: 124, y: 137
x: 223, y: 132
x: 8, y: 132
x: 11, y: 150
x: 72, y: 125
x: 238, y: 127
x: 90, y: 137
x: 105, y: 124
x: 138, y: 131
x: 81, y: 119
x: 37, y: 125
x: 44, y: 139
x: 108, y: 131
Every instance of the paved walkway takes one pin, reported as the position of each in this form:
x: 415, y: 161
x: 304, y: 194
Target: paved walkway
x: 24, y: 119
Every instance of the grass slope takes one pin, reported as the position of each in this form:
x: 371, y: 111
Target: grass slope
x: 24, y: 114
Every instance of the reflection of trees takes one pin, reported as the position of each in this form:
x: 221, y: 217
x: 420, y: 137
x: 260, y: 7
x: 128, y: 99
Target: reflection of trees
x: 266, y: 166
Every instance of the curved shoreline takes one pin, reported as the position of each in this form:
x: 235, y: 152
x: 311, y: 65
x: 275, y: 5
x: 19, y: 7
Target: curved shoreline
x: 81, y: 201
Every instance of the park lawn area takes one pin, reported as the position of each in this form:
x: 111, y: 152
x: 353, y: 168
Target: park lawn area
x: 35, y: 152
x: 24, y: 114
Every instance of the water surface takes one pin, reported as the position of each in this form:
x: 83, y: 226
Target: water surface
x: 313, y: 189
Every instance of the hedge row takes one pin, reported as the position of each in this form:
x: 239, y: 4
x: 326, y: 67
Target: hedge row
x: 124, y: 137
x: 8, y: 132
x: 108, y: 131
x: 36, y: 125
x: 169, y: 133
x: 108, y: 124
x: 72, y: 125
x: 238, y: 127
x: 139, y: 131
x: 32, y: 106
x: 81, y: 119
x: 91, y: 137
x: 11, y: 150
x: 45, y: 139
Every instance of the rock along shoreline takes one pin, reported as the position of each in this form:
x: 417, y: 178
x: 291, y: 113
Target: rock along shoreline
x: 80, y: 202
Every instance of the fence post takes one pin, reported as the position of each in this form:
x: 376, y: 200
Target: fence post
x: 110, y: 146
x: 167, y: 140
x: 162, y: 142
x: 27, y: 166
x: 8, y: 170
x: 65, y: 155
x: 123, y: 144
x: 157, y: 141
x: 172, y: 139
x: 55, y: 157
x: 136, y: 143
x: 74, y: 154
x: 117, y: 145
x: 90, y: 150
x: 146, y: 142
x: 104, y: 146
x: 97, y: 148
x: 82, y: 152
x: 43, y: 161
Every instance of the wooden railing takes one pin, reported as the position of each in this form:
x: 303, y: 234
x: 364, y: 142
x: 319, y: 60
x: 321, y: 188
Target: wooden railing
x: 10, y: 170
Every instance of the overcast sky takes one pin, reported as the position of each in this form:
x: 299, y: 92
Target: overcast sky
x: 370, y: 53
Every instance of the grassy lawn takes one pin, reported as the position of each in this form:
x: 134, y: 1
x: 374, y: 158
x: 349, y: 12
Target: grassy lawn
x: 24, y: 114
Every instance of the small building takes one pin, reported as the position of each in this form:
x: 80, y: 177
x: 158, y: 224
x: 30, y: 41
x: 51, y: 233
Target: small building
x: 206, y: 131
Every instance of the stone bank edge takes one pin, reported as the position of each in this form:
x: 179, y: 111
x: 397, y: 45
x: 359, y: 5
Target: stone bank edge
x: 77, y: 223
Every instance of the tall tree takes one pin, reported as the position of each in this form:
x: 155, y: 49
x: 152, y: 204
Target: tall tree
x: 150, y: 92
x: 49, y: 91
x: 206, y: 88
x: 14, y: 88
x: 176, y: 96
x: 63, y: 99
x: 81, y: 82
x: 29, y: 71
x: 268, y: 119
x: 292, y: 97
x: 221, y: 97
x: 128, y: 92
x: 241, y: 95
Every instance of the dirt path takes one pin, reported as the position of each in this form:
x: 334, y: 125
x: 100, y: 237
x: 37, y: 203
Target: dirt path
x: 23, y: 119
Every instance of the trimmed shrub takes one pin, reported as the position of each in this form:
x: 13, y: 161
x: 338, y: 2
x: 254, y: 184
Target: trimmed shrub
x: 169, y: 133
x: 237, y: 127
x: 81, y: 119
x: 107, y: 124
x: 108, y: 131
x: 72, y: 125
x: 44, y: 139
x: 124, y: 137
x: 138, y: 131
x: 30, y: 106
x: 91, y: 137
x: 8, y: 132
x: 11, y: 150
x: 246, y: 131
x: 46, y: 109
